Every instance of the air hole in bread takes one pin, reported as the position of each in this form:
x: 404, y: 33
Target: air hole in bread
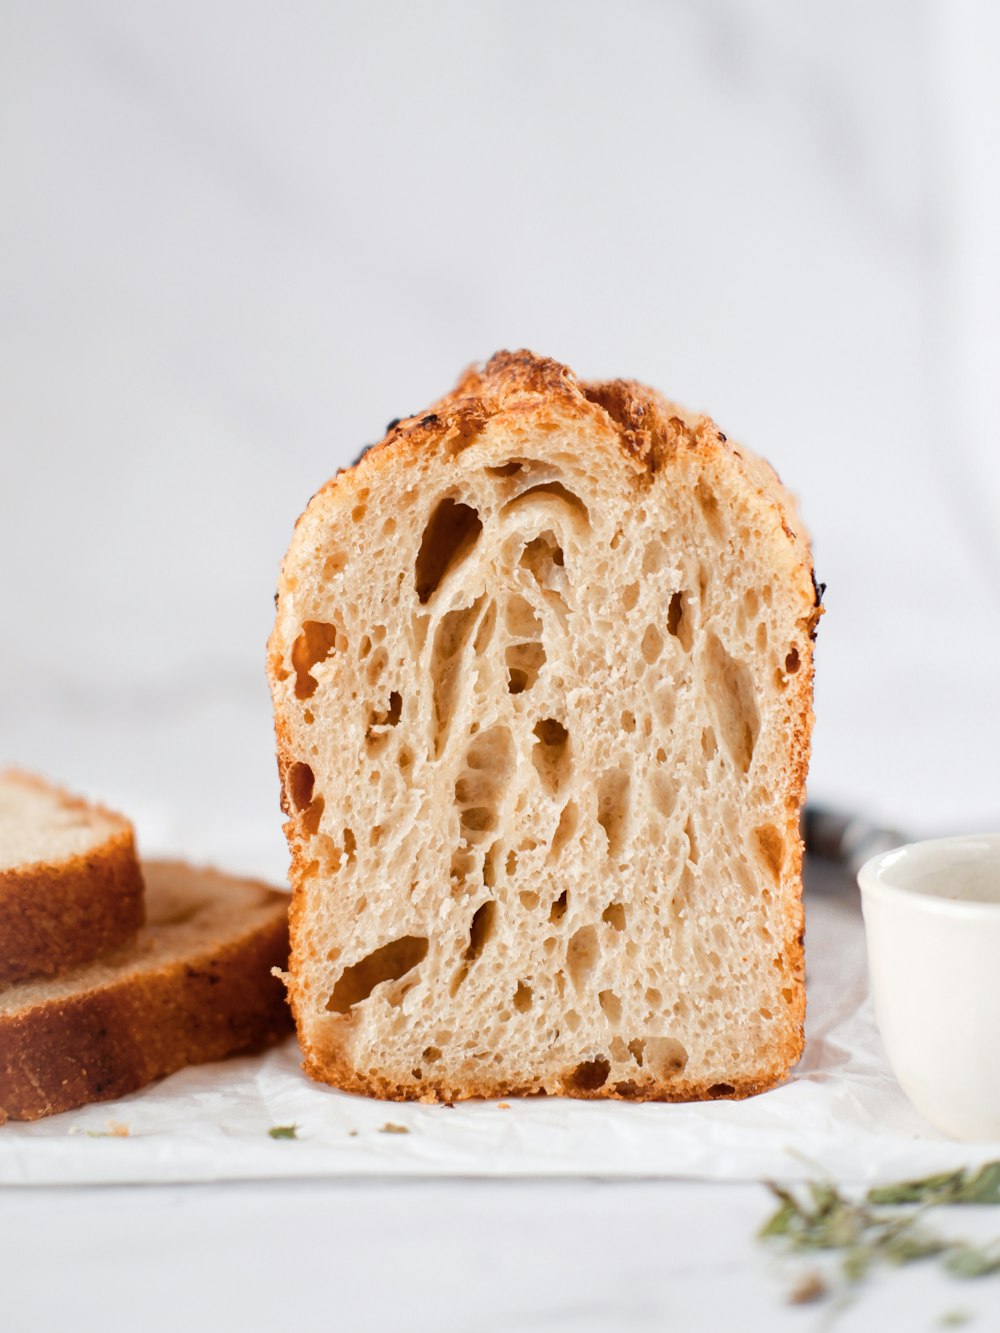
x: 654, y: 998
x: 652, y: 644
x: 792, y: 662
x: 335, y: 563
x: 627, y: 721
x: 614, y: 916
x: 569, y: 819
x: 524, y: 662
x: 316, y: 641
x: 630, y: 596
x: 571, y: 1020
x: 484, y: 633
x: 490, y: 866
x: 430, y: 1055
x: 300, y: 786
x: 637, y: 1050
x: 558, y: 909
x: 663, y: 790
x: 523, y: 998
x: 721, y: 1090
x: 541, y: 556
x: 481, y: 929
x: 505, y: 469
x: 654, y: 557
x: 734, y: 706
x: 391, y: 962
x: 679, y: 620
x: 771, y: 849
x: 613, y: 808
x: 312, y: 816
x: 550, y: 753
x: 478, y: 819
x: 390, y: 716
x: 452, y: 636
x: 529, y: 899
x: 709, y: 505
x: 665, y: 1056
x: 350, y: 844
x: 692, y: 855
x: 557, y: 491
x: 480, y: 933
x: 451, y: 532
x: 611, y: 1006
x: 582, y: 954
x: 590, y: 1075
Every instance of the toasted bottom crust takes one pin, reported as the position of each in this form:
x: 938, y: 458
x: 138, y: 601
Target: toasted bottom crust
x: 429, y: 1090
x: 53, y: 917
x: 109, y: 1041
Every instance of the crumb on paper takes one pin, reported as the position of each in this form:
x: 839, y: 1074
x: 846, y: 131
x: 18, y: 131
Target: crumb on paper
x: 114, y: 1129
x: 503, y: 1106
x: 390, y: 1127
x: 352, y: 1133
x: 283, y: 1132
x: 809, y: 1287
x: 955, y: 1318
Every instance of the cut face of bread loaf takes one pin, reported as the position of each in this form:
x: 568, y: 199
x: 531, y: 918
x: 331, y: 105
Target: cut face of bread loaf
x: 195, y: 985
x: 542, y: 675
x: 70, y: 883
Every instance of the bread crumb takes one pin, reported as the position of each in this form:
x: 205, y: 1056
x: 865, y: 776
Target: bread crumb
x: 115, y: 1129
x: 390, y: 1128
x: 283, y: 1132
x: 503, y: 1106
x: 810, y: 1287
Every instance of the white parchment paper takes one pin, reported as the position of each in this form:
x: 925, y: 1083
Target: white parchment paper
x: 841, y: 1113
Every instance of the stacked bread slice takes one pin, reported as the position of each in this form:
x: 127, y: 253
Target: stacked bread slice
x: 112, y: 974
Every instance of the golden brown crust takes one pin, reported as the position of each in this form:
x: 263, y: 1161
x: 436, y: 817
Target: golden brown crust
x: 650, y: 430
x: 54, y: 915
x: 112, y: 1038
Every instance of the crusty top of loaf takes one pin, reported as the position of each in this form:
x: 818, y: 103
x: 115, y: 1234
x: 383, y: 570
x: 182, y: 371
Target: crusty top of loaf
x: 650, y: 427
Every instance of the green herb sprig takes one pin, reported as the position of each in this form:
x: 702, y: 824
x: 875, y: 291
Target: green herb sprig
x: 886, y: 1227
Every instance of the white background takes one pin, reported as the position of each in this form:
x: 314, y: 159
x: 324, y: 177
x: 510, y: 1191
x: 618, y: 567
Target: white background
x: 235, y: 239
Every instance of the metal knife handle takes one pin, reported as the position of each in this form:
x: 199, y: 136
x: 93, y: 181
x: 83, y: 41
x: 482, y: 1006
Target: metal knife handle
x: 848, y: 840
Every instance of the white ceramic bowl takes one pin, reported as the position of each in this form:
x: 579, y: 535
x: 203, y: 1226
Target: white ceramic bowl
x: 932, y: 919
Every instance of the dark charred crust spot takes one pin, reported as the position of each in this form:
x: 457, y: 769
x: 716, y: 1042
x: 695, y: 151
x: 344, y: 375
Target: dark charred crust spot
x: 431, y: 419
x: 722, y: 438
x: 392, y: 425
x: 640, y: 427
x: 276, y: 600
x: 819, y: 589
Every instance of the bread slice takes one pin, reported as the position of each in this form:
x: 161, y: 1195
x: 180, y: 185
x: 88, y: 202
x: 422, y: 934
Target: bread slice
x: 196, y: 985
x: 70, y: 883
x: 542, y: 678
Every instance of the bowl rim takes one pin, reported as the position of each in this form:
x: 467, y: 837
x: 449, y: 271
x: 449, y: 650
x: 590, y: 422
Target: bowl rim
x: 874, y: 885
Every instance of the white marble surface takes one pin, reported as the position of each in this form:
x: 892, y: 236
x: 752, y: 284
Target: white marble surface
x: 234, y: 240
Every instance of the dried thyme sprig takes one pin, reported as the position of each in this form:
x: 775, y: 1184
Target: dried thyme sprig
x: 887, y: 1226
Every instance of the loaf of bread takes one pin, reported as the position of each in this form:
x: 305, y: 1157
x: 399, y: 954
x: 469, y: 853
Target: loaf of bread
x: 542, y: 679
x: 70, y: 883
x: 195, y: 985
